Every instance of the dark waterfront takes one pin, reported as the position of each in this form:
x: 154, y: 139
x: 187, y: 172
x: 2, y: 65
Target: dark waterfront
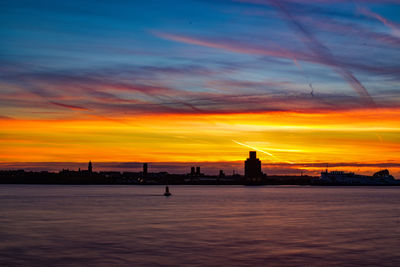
x: 47, y: 225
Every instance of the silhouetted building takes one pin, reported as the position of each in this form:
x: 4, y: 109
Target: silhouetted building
x: 192, y: 171
x: 382, y: 173
x: 144, y: 168
x: 221, y: 174
x: 90, y: 167
x: 350, y: 178
x: 252, y: 167
x: 195, y: 173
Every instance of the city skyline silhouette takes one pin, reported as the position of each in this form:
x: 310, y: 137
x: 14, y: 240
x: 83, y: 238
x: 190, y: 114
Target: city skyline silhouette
x: 252, y: 175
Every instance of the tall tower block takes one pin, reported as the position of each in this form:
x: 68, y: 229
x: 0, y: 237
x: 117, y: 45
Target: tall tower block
x: 252, y: 167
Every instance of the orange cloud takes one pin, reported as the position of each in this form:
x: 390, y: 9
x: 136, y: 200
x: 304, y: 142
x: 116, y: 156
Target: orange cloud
x: 349, y: 136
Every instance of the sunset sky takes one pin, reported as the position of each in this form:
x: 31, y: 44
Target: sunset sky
x: 173, y: 83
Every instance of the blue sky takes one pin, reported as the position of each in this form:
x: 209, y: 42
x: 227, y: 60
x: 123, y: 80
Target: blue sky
x: 198, y: 56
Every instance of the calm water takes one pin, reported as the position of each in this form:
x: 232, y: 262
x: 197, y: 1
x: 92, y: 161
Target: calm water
x: 199, y: 226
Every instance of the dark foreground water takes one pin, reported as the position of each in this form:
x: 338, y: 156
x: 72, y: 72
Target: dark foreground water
x: 199, y: 226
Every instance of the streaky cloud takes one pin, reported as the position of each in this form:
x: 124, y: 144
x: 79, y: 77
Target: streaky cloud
x: 322, y: 51
x: 392, y: 25
x: 67, y: 106
x: 283, y: 53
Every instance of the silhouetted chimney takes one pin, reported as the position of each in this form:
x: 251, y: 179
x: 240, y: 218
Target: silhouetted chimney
x: 144, y: 168
x: 192, y: 171
x: 90, y: 167
x: 221, y: 173
x: 197, y: 170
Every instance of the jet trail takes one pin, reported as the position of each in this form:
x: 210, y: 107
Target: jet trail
x: 324, y: 54
x: 262, y: 151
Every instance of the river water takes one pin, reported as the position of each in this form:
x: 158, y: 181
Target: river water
x: 49, y: 225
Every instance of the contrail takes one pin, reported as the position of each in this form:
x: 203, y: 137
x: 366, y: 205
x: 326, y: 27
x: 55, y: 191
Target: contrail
x: 324, y: 54
x: 269, y: 154
x: 262, y: 151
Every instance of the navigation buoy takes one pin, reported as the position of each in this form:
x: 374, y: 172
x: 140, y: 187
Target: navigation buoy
x: 167, y: 193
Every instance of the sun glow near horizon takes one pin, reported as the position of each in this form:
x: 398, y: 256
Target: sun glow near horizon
x: 290, y: 137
